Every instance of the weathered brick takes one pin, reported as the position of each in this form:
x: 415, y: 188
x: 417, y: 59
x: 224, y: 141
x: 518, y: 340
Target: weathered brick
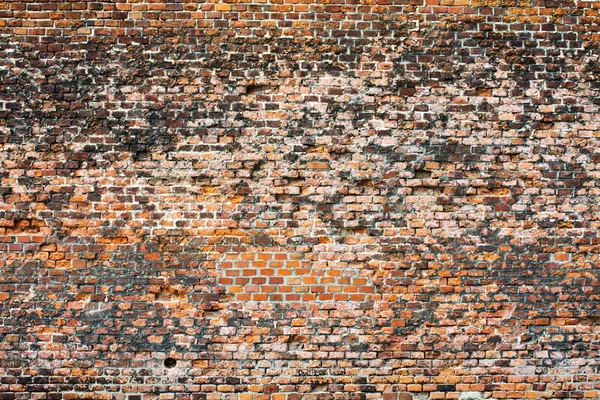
x: 377, y: 199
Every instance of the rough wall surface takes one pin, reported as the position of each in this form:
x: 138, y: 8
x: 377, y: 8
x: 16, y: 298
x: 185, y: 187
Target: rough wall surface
x: 287, y: 199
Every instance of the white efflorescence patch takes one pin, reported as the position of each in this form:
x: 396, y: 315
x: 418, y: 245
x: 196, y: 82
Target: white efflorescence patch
x: 472, y: 396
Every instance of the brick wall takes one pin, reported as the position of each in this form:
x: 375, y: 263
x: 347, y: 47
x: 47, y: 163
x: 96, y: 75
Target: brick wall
x: 289, y: 199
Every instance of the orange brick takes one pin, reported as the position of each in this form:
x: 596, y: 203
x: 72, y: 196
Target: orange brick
x: 318, y: 165
x: 561, y: 256
x: 152, y: 256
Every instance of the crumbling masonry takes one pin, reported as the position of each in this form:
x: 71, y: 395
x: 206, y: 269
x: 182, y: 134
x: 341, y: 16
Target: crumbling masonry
x: 299, y: 199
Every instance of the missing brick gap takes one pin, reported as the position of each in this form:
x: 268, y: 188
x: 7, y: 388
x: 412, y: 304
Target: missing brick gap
x: 170, y: 293
x: 422, y: 174
x: 484, y: 92
x: 351, y: 231
x: 318, y: 389
x: 428, y: 191
x: 163, y: 296
x: 255, y: 89
x: 590, y: 320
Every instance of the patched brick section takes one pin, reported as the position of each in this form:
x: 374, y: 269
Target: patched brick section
x: 274, y: 276
x: 262, y: 200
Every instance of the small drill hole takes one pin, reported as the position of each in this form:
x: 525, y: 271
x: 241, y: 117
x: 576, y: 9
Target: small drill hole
x: 170, y: 362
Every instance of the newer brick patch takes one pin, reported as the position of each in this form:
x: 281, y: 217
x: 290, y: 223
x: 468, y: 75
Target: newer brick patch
x: 299, y: 200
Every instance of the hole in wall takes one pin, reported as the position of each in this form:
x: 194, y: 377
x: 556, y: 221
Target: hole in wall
x: 170, y: 362
x: 352, y: 231
x: 255, y: 89
x: 170, y: 293
x: 422, y: 174
x: 484, y: 92
x: 318, y: 388
x: 296, y: 342
x: 163, y: 296
x: 427, y: 191
x: 590, y: 320
x: 365, y: 183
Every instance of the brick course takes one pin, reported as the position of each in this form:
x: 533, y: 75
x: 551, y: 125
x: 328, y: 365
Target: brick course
x: 359, y: 199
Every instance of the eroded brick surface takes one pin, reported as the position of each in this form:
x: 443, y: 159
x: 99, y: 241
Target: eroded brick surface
x: 299, y: 200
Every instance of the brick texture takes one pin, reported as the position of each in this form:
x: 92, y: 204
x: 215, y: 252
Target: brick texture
x: 299, y: 199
